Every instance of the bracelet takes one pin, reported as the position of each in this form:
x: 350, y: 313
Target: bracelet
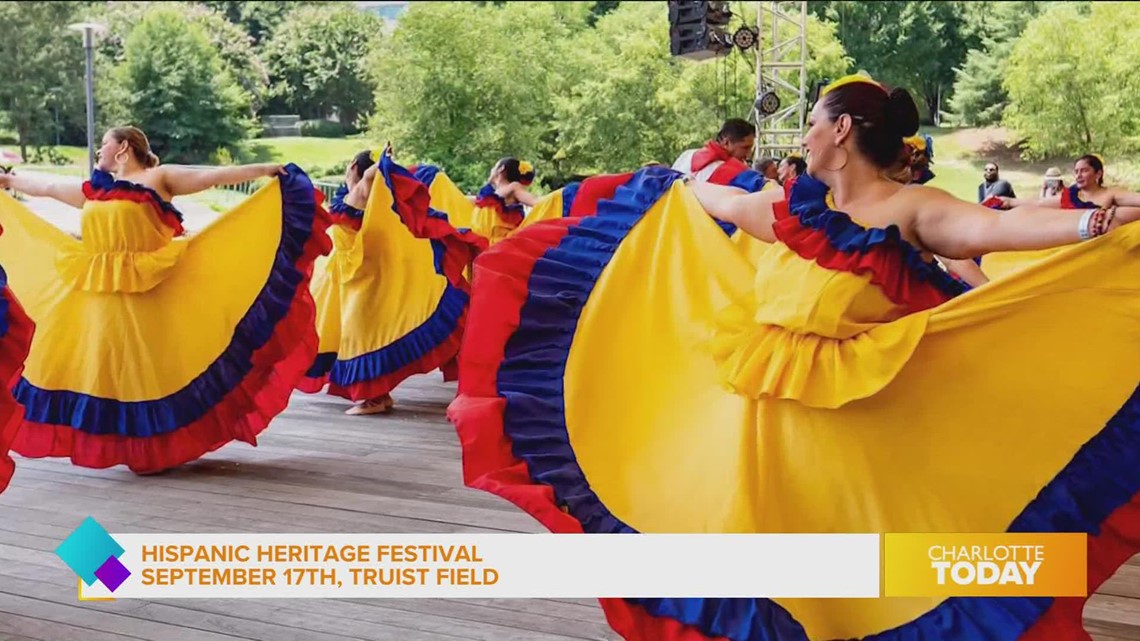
x: 1109, y: 216
x: 1083, y: 226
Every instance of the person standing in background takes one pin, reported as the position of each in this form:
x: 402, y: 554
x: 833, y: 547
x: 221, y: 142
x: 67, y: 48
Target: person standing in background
x: 992, y: 185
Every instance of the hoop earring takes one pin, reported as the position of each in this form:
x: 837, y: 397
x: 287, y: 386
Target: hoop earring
x: 119, y: 163
x: 846, y: 159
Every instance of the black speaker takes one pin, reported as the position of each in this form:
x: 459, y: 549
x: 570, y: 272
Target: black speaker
x: 695, y: 29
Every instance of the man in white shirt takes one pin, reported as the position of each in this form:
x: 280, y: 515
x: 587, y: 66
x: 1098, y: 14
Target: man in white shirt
x: 733, y: 144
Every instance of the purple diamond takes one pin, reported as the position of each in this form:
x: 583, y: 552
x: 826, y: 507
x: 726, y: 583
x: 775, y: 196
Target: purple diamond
x: 112, y: 573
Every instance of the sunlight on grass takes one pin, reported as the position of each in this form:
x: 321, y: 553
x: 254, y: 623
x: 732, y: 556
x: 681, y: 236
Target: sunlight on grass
x: 317, y: 156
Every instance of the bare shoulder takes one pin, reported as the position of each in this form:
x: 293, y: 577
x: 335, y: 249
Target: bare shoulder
x: 157, y: 178
x: 924, y: 199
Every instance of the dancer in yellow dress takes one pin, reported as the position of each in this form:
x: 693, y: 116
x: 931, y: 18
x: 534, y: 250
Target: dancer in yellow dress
x: 392, y: 298
x: 1086, y: 193
x: 498, y: 208
x: 16, y: 331
x: 151, y: 351
x: 628, y: 372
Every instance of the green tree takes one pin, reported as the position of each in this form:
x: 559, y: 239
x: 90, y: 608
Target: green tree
x: 178, y: 91
x: 258, y: 18
x: 601, y: 8
x: 1071, y: 93
x: 460, y: 85
x: 233, y: 44
x: 319, y: 59
x: 915, y: 44
x: 638, y: 103
x: 979, y: 98
x: 41, y: 78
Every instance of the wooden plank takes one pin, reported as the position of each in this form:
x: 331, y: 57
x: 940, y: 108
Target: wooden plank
x: 95, y: 619
x: 41, y: 630
x: 364, y: 614
x: 235, y: 513
x: 1125, y: 583
x: 1113, y: 615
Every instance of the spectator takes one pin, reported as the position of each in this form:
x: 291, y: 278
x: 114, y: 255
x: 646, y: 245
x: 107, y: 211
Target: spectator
x: 992, y: 185
x: 767, y: 168
x: 1053, y: 184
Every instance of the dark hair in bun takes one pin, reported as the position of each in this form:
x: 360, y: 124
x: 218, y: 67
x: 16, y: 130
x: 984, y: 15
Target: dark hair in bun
x: 512, y: 171
x: 881, y: 118
x: 361, y: 162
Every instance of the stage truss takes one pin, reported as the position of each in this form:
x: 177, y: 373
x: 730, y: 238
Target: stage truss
x: 781, y: 106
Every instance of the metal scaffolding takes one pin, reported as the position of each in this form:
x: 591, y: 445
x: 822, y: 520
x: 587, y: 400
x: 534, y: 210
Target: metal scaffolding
x: 781, y: 106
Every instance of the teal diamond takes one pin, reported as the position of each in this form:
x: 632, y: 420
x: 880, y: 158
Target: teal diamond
x: 87, y: 549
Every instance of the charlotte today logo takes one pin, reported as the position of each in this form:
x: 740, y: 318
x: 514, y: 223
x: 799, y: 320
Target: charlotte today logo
x: 986, y: 565
x: 1010, y: 564
x: 91, y: 553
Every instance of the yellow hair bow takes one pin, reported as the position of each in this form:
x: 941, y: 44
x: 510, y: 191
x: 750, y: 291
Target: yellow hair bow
x: 525, y: 167
x: 1098, y: 157
x: 375, y: 155
x: 847, y: 80
x: 917, y: 142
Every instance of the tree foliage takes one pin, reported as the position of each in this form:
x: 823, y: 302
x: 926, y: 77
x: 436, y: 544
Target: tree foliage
x: 319, y: 59
x: 258, y: 18
x: 460, y: 85
x: 1070, y: 92
x: 41, y: 78
x: 915, y: 44
x: 979, y: 98
x: 534, y: 80
x: 613, y: 119
x: 179, y: 91
x: 233, y: 44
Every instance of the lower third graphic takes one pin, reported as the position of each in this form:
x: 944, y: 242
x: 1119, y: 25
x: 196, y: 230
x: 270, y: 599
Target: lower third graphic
x: 91, y: 553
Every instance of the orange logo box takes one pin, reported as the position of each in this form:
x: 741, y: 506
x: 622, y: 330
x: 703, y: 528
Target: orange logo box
x: 998, y: 565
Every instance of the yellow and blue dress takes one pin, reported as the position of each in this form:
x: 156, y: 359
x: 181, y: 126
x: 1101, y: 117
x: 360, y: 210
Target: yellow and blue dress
x: 627, y: 372
x: 488, y: 216
x: 392, y: 298
x: 150, y: 350
x: 16, y: 331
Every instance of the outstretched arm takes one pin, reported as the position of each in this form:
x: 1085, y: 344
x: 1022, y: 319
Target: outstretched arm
x: 751, y: 212
x: 70, y: 193
x: 958, y: 229
x: 1125, y: 198
x: 181, y: 180
x: 1047, y: 201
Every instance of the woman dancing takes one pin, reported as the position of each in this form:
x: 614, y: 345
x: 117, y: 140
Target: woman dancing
x: 1087, y: 193
x: 631, y: 373
x: 151, y: 350
x: 392, y: 298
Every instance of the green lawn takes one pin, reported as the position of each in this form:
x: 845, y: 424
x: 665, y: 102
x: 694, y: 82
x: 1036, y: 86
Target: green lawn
x: 320, y: 157
x: 306, y: 152
x: 74, y: 155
